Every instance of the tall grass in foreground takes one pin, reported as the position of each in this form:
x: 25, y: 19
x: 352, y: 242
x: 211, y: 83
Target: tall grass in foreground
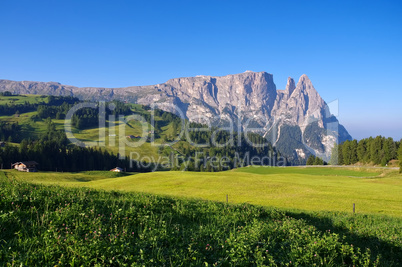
x: 50, y: 225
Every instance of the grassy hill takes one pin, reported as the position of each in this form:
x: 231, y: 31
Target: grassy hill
x: 35, y: 128
x: 315, y: 189
x: 40, y: 121
x: 292, y: 216
x: 52, y: 225
x: 21, y: 99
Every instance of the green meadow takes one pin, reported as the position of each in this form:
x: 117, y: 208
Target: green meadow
x: 251, y: 216
x: 115, y: 133
x: 21, y: 99
x: 87, y: 218
x: 374, y: 191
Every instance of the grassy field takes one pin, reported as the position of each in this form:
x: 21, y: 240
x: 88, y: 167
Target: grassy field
x: 59, y: 226
x: 64, y: 177
x: 292, y: 216
x: 312, y: 189
x: 325, y: 171
x: 112, y: 142
x: 113, y: 135
x: 31, y: 129
x: 21, y: 99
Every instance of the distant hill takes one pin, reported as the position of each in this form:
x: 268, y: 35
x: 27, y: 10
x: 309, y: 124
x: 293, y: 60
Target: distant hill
x: 296, y: 120
x: 32, y: 126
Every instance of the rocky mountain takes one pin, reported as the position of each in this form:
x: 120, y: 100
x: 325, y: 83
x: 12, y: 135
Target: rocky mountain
x: 297, y: 120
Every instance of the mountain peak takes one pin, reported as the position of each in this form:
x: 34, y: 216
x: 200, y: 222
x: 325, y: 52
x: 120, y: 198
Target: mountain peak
x: 239, y: 98
x: 304, y: 79
x: 290, y: 86
x: 305, y: 85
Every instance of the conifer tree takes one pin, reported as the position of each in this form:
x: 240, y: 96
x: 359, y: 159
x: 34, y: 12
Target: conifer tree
x: 353, y: 152
x: 400, y: 156
x: 310, y: 160
x: 318, y: 161
x: 361, y: 151
x: 346, y: 152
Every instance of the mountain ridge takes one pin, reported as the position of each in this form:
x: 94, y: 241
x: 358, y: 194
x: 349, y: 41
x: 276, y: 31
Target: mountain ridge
x: 238, y: 100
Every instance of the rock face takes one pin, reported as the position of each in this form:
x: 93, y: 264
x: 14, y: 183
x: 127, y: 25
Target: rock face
x: 296, y: 120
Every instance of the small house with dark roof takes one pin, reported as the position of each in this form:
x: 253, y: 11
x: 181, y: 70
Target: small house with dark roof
x: 25, y: 166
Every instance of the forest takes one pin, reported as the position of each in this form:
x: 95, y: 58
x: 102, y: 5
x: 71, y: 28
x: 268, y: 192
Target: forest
x: 202, y: 149
x: 52, y: 149
x: 313, y: 160
x: 213, y: 149
x: 238, y: 153
x: 53, y: 153
x: 378, y: 151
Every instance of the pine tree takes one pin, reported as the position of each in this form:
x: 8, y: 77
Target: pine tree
x: 310, y: 160
x: 318, y: 161
x: 361, y: 151
x: 389, y: 149
x: 400, y: 156
x: 367, y: 157
x: 346, y: 152
x: 376, y: 146
x: 353, y: 152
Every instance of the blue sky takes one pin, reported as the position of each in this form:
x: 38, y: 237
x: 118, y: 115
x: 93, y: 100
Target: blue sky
x: 351, y: 50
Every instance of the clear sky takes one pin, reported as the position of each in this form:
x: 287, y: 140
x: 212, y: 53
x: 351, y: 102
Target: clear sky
x: 351, y: 50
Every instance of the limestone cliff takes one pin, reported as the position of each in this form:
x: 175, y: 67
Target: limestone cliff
x: 296, y: 119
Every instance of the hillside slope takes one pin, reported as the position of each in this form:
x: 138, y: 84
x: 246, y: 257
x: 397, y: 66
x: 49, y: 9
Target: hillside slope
x: 245, y: 100
x: 37, y: 128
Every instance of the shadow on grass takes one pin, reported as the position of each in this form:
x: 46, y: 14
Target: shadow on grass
x: 344, y: 228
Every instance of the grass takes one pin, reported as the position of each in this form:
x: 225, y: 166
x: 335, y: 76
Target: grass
x: 111, y: 143
x: 21, y: 99
x: 64, y: 177
x: 298, y: 216
x: 31, y: 129
x: 147, y: 152
x: 286, y: 188
x: 327, y: 171
x: 52, y: 225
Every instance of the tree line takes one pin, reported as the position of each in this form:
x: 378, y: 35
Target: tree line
x: 48, y: 107
x: 223, y: 150
x: 53, y: 153
x: 89, y: 117
x: 313, y: 160
x: 6, y: 93
x: 379, y: 151
x: 52, y: 149
x: 9, y: 131
x: 11, y: 108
